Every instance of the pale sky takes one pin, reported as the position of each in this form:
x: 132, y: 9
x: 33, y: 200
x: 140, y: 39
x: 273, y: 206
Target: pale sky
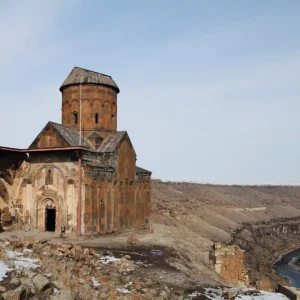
x: 209, y: 89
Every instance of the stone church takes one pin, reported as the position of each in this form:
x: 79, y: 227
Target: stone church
x: 80, y: 174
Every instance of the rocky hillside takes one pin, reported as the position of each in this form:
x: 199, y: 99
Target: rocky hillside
x: 211, y: 211
x: 197, y: 215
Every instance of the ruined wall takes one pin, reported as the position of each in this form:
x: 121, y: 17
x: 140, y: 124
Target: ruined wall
x: 47, y: 182
x: 110, y: 200
x: 229, y: 264
x: 4, y: 196
x: 99, y: 108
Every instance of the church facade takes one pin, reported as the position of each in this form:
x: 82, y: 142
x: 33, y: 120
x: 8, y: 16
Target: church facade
x: 80, y: 174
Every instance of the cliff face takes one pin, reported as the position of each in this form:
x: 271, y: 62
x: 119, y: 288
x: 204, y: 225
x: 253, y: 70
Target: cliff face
x: 263, y: 242
x: 263, y: 220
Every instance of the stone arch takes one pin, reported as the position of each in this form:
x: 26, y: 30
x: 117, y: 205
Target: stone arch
x: 96, y: 100
x: 66, y: 104
x: 74, y: 104
x: 34, y: 175
x: 48, y: 202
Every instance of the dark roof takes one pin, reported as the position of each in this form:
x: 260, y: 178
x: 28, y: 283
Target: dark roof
x: 110, y: 144
x: 141, y: 170
x: 81, y: 76
x: 69, y: 135
x: 71, y: 138
x: 94, y: 136
x: 98, y: 165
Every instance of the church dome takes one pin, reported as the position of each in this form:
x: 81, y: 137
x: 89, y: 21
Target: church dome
x: 83, y: 76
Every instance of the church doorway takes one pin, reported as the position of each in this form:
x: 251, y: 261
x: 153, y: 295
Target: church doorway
x: 50, y: 218
x: 50, y: 215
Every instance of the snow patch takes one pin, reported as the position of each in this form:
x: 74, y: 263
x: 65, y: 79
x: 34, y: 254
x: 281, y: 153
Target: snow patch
x: 95, y: 282
x: 3, y: 270
x: 27, y: 251
x: 22, y: 262
x: 142, y: 263
x: 241, y: 294
x: 263, y: 296
x: 128, y: 284
x: 26, y: 262
x: 13, y: 254
x: 123, y: 290
x: 108, y: 259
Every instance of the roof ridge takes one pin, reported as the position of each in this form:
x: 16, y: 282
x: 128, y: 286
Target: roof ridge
x: 92, y: 71
x: 84, y: 76
x: 57, y: 124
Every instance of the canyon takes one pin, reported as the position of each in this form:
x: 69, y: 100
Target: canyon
x: 242, y: 228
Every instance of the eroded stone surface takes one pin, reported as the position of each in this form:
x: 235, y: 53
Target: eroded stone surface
x: 229, y: 264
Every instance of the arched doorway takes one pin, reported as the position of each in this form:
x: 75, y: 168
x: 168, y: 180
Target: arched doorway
x: 50, y: 215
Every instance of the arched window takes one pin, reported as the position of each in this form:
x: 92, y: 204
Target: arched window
x: 96, y: 118
x: 75, y: 118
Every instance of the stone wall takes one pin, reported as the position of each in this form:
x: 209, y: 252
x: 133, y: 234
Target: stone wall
x: 229, y: 264
x: 99, y: 108
x: 50, y: 181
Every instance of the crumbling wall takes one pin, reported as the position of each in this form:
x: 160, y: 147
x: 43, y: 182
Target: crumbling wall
x: 229, y: 264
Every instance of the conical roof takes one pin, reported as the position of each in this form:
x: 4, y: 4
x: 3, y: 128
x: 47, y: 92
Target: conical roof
x: 83, y: 76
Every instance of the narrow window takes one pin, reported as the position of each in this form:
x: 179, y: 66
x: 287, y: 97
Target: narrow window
x: 49, y: 176
x: 96, y: 118
x: 75, y: 118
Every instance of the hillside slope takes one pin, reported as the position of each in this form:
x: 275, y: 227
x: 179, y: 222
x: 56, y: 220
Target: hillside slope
x: 197, y: 215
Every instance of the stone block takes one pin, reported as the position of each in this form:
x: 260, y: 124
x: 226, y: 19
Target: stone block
x: 40, y: 282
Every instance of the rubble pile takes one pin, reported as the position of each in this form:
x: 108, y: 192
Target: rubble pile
x: 31, y: 269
